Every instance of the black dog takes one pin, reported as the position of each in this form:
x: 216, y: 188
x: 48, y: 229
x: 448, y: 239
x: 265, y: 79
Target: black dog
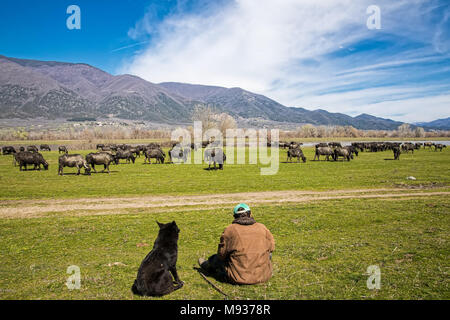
x: 153, y: 277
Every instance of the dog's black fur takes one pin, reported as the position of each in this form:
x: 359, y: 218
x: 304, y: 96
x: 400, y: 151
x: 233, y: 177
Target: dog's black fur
x: 154, y: 275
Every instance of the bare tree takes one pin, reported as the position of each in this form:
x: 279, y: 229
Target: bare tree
x: 206, y: 114
x: 419, y: 132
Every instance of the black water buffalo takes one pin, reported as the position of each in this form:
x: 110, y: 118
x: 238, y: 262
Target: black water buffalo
x: 45, y: 147
x: 62, y: 149
x: 153, y: 145
x: 215, y: 155
x: 358, y: 145
x: 25, y: 158
x: 428, y: 144
x: 392, y: 145
x: 335, y: 144
x: 73, y: 161
x: 439, y: 146
x: 295, y: 153
x: 352, y: 150
x: 408, y: 147
x: 113, y: 147
x: 32, y: 149
x: 155, y: 153
x: 99, y: 146
x: 123, y: 147
x: 106, y: 149
x: 397, y: 152
x: 180, y: 153
x: 417, y: 145
x: 124, y: 154
x: 8, y: 150
x: 294, y: 145
x: 100, y: 158
x: 342, y: 152
x: 283, y: 144
x: 324, y: 151
x: 375, y: 146
x: 136, y: 151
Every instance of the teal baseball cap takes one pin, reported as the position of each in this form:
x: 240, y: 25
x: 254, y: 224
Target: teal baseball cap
x: 241, y: 208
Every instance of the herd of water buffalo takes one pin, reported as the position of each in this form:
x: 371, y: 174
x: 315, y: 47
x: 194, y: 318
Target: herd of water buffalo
x: 112, y: 154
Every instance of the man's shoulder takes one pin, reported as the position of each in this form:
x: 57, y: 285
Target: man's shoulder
x: 235, y: 227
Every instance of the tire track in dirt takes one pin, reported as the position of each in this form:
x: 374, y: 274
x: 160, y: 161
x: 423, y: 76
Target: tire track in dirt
x: 107, y: 206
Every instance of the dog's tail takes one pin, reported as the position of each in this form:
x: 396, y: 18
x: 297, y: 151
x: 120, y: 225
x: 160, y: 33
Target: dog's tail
x: 134, y: 288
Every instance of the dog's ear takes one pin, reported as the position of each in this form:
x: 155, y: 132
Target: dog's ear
x: 160, y: 224
x: 174, y: 223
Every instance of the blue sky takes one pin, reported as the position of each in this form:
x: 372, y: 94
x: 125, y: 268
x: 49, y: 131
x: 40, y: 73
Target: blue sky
x: 301, y: 53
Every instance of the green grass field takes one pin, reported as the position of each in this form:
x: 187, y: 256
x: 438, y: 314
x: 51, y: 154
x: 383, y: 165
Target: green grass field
x: 322, y: 252
x: 323, y: 246
x: 368, y: 170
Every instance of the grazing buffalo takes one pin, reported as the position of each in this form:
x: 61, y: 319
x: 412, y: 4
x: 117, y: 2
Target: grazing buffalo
x: 417, y: 146
x: 352, y: 150
x: 408, y: 147
x: 215, y: 155
x: 397, y: 152
x: 358, y: 145
x: 157, y: 154
x: 124, y: 154
x: 123, y: 147
x: 62, y: 149
x: 439, y: 146
x: 324, y: 151
x: 295, y: 153
x: 428, y: 144
x: 294, y: 145
x: 391, y: 145
x: 376, y: 146
x: 8, y: 150
x: 153, y: 145
x: 73, y: 161
x: 25, y: 158
x: 180, y: 153
x: 283, y: 144
x: 32, y: 149
x: 321, y: 145
x: 335, y: 144
x: 136, y: 151
x: 113, y: 147
x: 205, y: 144
x: 342, y: 152
x: 99, y: 146
x: 45, y: 147
x: 100, y: 158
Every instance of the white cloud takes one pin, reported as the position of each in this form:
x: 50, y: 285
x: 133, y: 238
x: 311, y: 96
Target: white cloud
x: 280, y: 48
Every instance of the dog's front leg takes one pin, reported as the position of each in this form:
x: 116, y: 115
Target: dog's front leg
x: 174, y: 272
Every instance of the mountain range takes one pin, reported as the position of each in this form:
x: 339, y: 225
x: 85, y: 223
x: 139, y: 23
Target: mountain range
x: 60, y: 90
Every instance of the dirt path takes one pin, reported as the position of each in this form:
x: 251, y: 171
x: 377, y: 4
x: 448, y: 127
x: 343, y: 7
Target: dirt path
x: 101, y: 206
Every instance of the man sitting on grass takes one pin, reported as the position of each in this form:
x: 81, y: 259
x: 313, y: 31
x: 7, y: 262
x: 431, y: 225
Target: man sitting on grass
x: 245, y: 251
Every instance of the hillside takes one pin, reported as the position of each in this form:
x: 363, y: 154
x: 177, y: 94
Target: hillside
x: 61, y: 90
